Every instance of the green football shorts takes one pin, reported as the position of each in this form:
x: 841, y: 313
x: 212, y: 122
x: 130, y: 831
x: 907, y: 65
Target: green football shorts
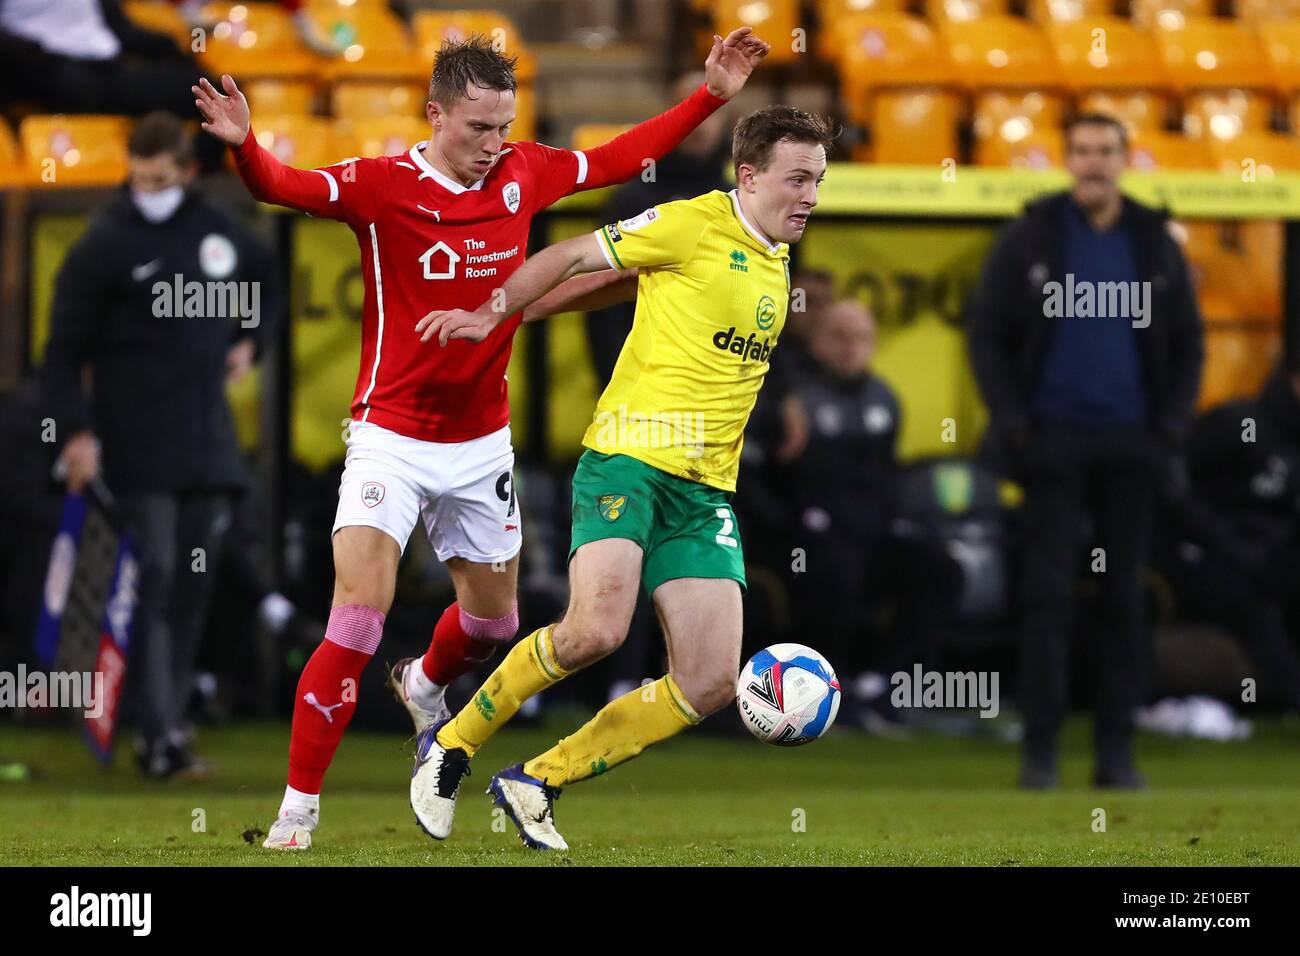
x: 686, y: 529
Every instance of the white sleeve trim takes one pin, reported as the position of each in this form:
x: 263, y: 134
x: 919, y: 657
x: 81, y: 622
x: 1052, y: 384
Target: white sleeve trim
x: 582, y: 167
x: 600, y: 241
x: 334, y: 185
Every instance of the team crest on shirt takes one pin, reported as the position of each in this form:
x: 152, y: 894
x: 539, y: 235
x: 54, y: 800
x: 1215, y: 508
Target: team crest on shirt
x: 372, y: 492
x: 511, y: 196
x: 611, y: 507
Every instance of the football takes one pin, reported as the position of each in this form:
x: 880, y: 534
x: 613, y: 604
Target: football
x: 788, y: 695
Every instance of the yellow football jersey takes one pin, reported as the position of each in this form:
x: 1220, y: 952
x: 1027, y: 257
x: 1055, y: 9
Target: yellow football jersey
x: 711, y: 302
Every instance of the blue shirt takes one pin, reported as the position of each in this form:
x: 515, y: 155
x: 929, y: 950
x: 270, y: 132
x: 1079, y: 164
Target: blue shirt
x: 1092, y: 372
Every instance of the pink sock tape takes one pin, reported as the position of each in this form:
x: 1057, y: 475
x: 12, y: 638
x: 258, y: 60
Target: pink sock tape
x: 499, y: 629
x: 356, y: 626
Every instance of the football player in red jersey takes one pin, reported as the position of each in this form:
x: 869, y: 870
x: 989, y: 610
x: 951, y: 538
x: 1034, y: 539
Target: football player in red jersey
x: 439, y: 227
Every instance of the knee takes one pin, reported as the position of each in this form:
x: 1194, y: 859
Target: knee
x: 707, y: 693
x: 582, y: 641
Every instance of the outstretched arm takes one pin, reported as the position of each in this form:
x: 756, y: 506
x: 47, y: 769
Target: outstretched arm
x: 728, y: 67
x: 585, y: 293
x: 537, y: 276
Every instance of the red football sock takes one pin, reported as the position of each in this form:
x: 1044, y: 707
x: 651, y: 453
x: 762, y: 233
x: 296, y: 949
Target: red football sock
x: 327, y: 692
x: 462, y: 641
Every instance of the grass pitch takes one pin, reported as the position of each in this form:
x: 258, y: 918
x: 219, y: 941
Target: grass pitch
x: 847, y: 799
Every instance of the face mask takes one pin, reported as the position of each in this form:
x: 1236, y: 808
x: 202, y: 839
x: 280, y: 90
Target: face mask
x: 158, y: 205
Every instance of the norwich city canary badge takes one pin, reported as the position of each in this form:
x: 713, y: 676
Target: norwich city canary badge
x: 611, y: 507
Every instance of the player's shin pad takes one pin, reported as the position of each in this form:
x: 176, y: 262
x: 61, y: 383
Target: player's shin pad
x: 528, y: 669
x: 623, y: 728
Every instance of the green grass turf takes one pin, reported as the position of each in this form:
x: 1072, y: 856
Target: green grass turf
x: 693, y: 800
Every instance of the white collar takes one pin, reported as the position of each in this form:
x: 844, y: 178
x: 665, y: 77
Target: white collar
x: 428, y: 172
x: 740, y: 214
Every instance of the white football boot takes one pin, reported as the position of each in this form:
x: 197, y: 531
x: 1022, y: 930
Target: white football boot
x: 292, y: 831
x: 435, y: 782
x: 423, y: 719
x: 530, y: 804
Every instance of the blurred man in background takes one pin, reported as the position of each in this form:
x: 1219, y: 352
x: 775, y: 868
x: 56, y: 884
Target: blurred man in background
x: 1086, y: 343
x: 134, y: 302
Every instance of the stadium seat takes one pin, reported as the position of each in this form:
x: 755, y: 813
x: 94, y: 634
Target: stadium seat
x: 1168, y: 14
x: 1257, y: 10
x: 85, y: 150
x: 1135, y: 109
x: 1237, y: 362
x: 1067, y: 11
x: 914, y: 127
x: 374, y: 41
x: 433, y: 27
x: 591, y: 135
x: 254, y: 39
x: 1119, y: 57
x: 363, y: 100
x: 380, y: 135
x: 1000, y: 52
x: 773, y: 20
x: 160, y: 17
x: 1205, y: 52
x: 1258, y: 153
x: 1281, y: 41
x: 939, y: 11
x: 1041, y: 149
x: 1224, y: 114
x: 1153, y: 149
x: 1235, y: 281
x: 279, y: 97
x: 889, y: 50
x: 1010, y: 117
x: 834, y: 22
x: 302, y: 141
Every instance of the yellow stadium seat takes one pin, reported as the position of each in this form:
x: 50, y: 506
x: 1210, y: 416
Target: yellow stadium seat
x: 75, y: 150
x: 374, y: 41
x: 1205, y: 52
x: 279, y: 97
x: 591, y: 135
x: 381, y: 135
x: 939, y: 11
x: 1000, y: 52
x: 433, y: 27
x: 890, y: 50
x: 160, y: 17
x: 773, y: 20
x: 1224, y: 114
x: 302, y: 141
x: 1010, y: 117
x: 1237, y: 362
x: 1168, y: 14
x: 1042, y: 149
x: 1281, y: 40
x: 254, y: 39
x: 1257, y: 154
x: 1155, y: 149
x: 834, y: 15
x: 1135, y: 109
x: 1235, y: 278
x: 1120, y: 56
x: 1256, y: 10
x: 364, y: 100
x: 914, y: 127
x: 1068, y: 11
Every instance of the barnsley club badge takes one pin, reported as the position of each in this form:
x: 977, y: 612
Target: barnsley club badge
x: 372, y: 492
x: 511, y: 196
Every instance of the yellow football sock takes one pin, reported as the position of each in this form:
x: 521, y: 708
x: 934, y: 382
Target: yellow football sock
x: 622, y: 729
x: 528, y: 669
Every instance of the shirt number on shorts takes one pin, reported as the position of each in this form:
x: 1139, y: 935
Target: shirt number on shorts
x: 724, y: 533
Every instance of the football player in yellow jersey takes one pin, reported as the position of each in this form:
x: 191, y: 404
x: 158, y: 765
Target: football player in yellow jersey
x: 652, y: 492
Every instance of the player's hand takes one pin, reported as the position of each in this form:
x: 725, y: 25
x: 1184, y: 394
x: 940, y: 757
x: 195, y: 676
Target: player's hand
x: 225, y: 117
x: 239, y: 359
x: 80, y: 460
x: 731, y: 61
x: 457, y: 324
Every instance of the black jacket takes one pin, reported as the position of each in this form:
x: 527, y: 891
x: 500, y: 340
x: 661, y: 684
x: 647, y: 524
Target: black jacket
x: 1009, y: 333
x: 158, y: 402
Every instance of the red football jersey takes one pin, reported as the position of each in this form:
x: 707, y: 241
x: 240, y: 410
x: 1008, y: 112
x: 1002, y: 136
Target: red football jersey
x: 428, y: 243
